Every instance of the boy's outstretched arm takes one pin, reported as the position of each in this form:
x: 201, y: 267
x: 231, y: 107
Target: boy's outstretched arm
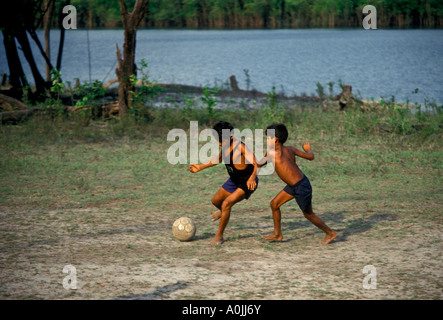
x: 250, y: 158
x: 264, y: 161
x: 199, y: 167
x: 308, y: 154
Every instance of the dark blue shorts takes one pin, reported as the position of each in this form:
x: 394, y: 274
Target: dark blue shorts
x: 230, y: 186
x: 302, y: 192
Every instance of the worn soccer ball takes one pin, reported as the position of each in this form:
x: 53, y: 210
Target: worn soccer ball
x: 184, y: 229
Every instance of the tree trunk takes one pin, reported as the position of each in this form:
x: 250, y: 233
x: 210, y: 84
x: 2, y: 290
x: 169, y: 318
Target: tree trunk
x: 62, y: 38
x: 346, y: 98
x: 123, y: 74
x: 17, y: 77
x: 24, y: 42
x: 125, y: 65
x: 234, y: 83
x: 49, y: 5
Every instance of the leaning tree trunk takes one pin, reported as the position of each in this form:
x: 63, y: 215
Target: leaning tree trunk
x: 125, y: 65
x: 27, y: 52
x: 48, y: 6
x: 17, y: 77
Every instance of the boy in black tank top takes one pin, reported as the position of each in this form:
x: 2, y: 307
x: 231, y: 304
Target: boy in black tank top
x: 238, y: 178
x: 241, y: 165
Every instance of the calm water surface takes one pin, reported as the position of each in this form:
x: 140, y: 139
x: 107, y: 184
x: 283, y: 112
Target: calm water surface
x: 377, y: 63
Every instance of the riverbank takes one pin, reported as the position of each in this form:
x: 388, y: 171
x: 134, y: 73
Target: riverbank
x: 172, y: 105
x: 400, y: 63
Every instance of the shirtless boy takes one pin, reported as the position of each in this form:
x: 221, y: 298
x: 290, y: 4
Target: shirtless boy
x: 242, y: 181
x: 298, y: 185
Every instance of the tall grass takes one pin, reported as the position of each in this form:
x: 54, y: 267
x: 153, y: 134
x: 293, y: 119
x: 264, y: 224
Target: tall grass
x: 311, y: 121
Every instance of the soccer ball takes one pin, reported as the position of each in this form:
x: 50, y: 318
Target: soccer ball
x: 183, y: 229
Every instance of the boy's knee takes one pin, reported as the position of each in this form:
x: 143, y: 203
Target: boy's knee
x: 227, y: 204
x: 274, y: 204
x: 308, y: 214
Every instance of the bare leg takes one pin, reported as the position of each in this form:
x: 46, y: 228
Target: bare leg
x: 330, y: 234
x: 217, y: 201
x: 226, y: 206
x: 276, y: 203
x: 216, y: 215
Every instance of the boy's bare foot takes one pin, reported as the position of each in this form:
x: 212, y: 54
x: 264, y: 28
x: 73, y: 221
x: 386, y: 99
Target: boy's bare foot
x: 216, y: 215
x: 273, y: 237
x: 329, y: 237
x: 217, y: 240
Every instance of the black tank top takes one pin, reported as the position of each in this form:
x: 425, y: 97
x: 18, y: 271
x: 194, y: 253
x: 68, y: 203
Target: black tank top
x: 239, y: 177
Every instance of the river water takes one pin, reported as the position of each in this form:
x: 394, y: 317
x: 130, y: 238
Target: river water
x: 377, y: 63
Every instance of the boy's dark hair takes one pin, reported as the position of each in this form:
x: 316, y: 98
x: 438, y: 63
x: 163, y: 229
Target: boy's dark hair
x: 280, y: 132
x: 220, y: 126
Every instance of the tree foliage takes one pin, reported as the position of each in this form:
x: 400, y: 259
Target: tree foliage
x: 265, y: 13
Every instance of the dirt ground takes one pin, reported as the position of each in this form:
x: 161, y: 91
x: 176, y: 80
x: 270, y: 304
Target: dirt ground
x: 138, y: 258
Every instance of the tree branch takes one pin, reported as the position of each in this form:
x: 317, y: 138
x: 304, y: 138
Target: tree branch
x: 140, y: 8
x: 123, y: 11
x: 40, y: 47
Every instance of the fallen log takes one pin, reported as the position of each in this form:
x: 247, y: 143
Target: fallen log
x: 15, y: 116
x: 9, y: 103
x: 110, y: 109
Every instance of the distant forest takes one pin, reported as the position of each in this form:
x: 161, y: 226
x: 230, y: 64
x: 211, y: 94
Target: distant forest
x: 264, y: 13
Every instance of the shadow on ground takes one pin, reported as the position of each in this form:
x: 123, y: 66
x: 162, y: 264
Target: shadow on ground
x: 157, y: 294
x: 336, y: 221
